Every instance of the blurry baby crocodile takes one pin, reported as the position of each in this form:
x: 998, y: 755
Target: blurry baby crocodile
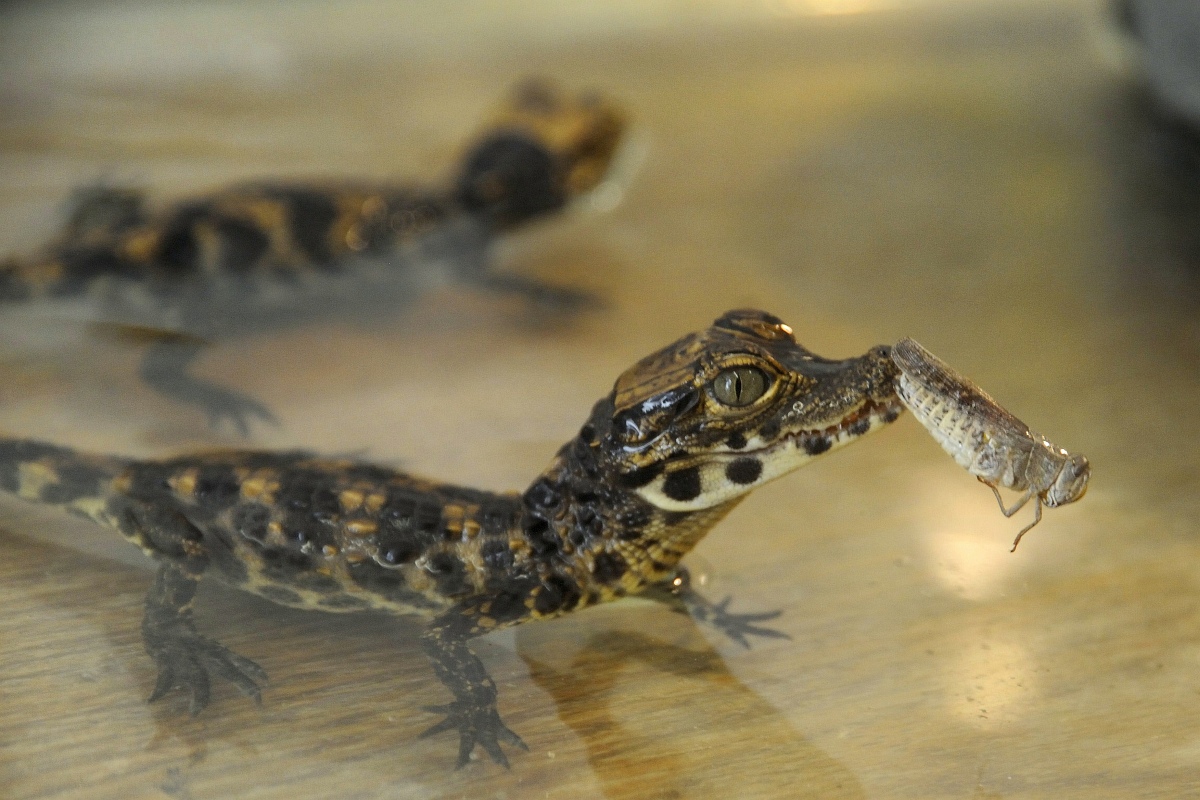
x: 263, y: 255
x: 683, y: 436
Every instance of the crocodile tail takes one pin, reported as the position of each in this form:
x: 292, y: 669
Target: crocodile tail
x: 46, y: 473
x: 52, y: 274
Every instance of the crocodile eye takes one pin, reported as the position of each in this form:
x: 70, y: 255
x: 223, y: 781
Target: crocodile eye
x: 739, y: 386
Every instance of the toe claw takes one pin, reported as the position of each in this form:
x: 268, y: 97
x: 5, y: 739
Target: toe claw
x: 476, y: 725
x: 188, y: 661
x: 164, y: 684
x: 433, y: 730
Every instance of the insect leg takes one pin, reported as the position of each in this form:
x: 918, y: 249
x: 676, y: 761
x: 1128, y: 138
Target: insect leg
x: 1037, y: 517
x: 1008, y: 512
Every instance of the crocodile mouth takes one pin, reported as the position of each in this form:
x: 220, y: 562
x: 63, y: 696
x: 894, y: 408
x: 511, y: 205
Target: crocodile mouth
x: 869, y: 416
x: 705, y: 480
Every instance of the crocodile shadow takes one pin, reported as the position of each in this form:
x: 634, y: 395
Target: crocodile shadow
x: 712, y: 737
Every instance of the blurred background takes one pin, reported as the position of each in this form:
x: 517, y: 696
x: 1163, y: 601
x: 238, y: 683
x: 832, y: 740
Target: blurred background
x: 1016, y: 184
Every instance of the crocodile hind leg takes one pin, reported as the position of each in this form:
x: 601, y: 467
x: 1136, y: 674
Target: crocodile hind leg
x: 185, y: 659
x: 165, y: 369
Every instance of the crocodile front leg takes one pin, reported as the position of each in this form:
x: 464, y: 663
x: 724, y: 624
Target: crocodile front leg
x: 677, y: 593
x: 185, y: 659
x: 164, y: 368
x: 473, y: 711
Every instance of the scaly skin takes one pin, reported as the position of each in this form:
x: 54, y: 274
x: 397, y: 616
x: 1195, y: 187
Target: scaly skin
x: 685, y: 434
x: 265, y: 255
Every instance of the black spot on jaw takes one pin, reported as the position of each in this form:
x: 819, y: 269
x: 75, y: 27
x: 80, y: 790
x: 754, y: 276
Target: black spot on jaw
x: 744, y: 470
x: 736, y: 441
x: 815, y: 445
x: 860, y: 426
x: 640, y: 477
x: 150, y: 481
x: 683, y: 484
x: 609, y: 567
x: 428, y: 517
x: 769, y: 431
x: 891, y: 414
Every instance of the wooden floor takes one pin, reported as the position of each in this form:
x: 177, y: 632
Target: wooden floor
x: 981, y: 180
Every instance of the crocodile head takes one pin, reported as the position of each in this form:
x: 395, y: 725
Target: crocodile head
x: 540, y: 149
x: 718, y: 413
x: 684, y: 435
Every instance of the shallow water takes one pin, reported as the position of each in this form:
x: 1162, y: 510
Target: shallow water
x: 980, y: 178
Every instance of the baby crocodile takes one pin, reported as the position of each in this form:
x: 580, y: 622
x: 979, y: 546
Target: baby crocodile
x: 683, y: 436
x: 265, y: 255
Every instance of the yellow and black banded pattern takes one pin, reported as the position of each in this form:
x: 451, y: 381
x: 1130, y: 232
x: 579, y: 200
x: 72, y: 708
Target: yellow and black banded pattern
x: 541, y: 148
x: 684, y: 435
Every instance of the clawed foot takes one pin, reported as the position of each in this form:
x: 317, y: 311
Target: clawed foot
x: 238, y: 410
x: 165, y: 369
x: 476, y: 726
x: 739, y: 626
x: 186, y: 660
